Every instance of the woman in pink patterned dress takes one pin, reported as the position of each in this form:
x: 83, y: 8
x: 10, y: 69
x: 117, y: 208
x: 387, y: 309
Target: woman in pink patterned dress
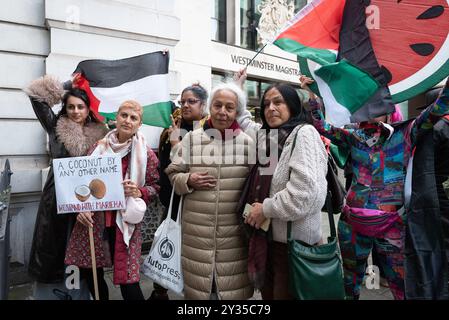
x: 117, y: 240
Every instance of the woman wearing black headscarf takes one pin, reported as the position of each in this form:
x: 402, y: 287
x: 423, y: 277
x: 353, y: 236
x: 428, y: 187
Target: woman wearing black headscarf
x: 298, y: 184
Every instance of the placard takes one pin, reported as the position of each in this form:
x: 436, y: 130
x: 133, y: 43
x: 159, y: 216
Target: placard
x: 92, y: 183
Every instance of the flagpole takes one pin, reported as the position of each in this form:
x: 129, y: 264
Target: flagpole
x: 257, y: 53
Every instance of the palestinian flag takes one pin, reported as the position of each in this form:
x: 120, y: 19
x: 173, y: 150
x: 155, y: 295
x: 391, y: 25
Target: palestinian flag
x: 356, y: 47
x: 346, y: 87
x: 143, y: 78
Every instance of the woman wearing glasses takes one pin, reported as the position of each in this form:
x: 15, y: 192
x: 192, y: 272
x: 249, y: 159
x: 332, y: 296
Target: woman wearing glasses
x: 191, y: 115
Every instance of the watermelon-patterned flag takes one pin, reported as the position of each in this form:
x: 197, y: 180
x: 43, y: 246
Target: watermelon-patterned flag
x: 142, y: 78
x: 314, y: 34
x: 411, y: 41
x: 356, y: 47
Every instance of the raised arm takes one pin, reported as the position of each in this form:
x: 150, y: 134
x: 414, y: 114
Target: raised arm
x: 338, y: 136
x: 44, y: 114
x: 245, y: 120
x: 44, y: 93
x: 432, y: 114
x: 240, y: 77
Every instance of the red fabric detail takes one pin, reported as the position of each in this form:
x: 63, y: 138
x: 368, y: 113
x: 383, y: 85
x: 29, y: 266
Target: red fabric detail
x: 234, y: 127
x: 145, y: 194
x: 319, y: 28
x: 78, y: 248
x: 80, y: 82
x: 367, y: 125
x: 446, y: 117
x: 152, y: 177
x: 327, y: 143
x: 127, y: 260
x: 125, y: 165
x: 382, y: 160
x: 109, y: 218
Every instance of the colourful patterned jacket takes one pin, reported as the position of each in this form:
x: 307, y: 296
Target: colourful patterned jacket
x: 380, y: 169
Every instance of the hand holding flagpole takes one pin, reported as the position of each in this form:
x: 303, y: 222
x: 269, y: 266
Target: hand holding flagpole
x: 241, y: 75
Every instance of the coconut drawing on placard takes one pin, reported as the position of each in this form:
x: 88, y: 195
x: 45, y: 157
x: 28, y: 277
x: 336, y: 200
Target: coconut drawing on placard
x: 96, y: 188
x: 82, y: 193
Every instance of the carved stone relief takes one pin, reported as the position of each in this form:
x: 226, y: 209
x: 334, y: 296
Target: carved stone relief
x: 273, y: 16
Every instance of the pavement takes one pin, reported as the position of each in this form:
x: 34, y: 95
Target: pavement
x: 25, y: 291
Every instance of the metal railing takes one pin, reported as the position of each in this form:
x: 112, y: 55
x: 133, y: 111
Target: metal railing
x: 5, y: 194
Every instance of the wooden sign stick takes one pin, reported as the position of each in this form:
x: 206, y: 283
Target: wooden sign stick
x: 94, y: 262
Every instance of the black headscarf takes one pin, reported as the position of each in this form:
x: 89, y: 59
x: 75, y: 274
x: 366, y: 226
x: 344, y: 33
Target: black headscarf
x: 298, y: 114
x: 258, y: 185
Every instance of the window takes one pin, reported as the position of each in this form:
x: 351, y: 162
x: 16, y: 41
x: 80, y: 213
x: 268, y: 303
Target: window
x: 248, y: 23
x: 249, y: 20
x: 217, y: 79
x: 299, y: 4
x: 219, y: 20
x: 252, y: 89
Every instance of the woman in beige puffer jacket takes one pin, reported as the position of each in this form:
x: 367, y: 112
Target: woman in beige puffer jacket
x: 209, y: 167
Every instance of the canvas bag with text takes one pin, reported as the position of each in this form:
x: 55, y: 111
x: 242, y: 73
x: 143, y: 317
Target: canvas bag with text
x: 163, y: 263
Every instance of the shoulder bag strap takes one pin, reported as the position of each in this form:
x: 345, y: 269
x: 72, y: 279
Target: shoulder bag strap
x: 178, y: 218
x: 328, y: 205
x: 289, y: 223
x: 330, y: 214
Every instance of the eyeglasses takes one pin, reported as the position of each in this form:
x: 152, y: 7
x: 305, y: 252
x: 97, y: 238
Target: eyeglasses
x: 189, y: 101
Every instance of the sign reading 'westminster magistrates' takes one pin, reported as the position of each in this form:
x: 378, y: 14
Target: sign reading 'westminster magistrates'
x: 265, y: 65
x: 91, y: 183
